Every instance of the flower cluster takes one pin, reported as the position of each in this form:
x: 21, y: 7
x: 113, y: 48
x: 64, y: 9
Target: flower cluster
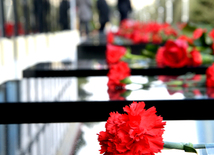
x: 175, y: 54
x: 187, y: 51
x: 140, y: 32
x: 181, y: 50
x: 170, y: 48
x: 138, y: 131
x: 114, y: 53
x: 118, y: 70
x: 194, y: 84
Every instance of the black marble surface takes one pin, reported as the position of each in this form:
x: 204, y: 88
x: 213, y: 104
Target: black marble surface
x: 95, y: 89
x: 98, y: 67
x: 44, y: 97
x: 94, y: 47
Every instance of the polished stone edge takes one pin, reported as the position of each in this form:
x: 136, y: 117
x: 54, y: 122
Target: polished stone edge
x: 97, y: 111
x: 152, y: 71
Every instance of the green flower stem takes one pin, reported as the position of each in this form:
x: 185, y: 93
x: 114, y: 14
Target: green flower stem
x: 131, y: 56
x: 174, y: 83
x: 148, y: 53
x: 173, y: 145
x: 187, y: 147
x: 207, y: 59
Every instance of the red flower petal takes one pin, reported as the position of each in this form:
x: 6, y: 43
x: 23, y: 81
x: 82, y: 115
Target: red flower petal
x: 137, y: 132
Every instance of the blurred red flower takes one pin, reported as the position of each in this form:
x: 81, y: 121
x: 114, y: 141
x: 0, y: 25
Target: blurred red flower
x: 114, y: 53
x: 185, y: 38
x: 136, y: 37
x: 211, y: 34
x: 195, y: 58
x: 210, y: 76
x: 210, y: 92
x: 137, y: 132
x: 197, y: 92
x: 156, y: 38
x: 115, y: 94
x: 118, y: 72
x: 167, y: 78
x: 173, y: 54
x: 198, y: 33
x: 170, y: 31
x: 9, y: 29
x: 110, y: 37
x: 115, y: 84
x: 145, y: 38
x: 159, y: 57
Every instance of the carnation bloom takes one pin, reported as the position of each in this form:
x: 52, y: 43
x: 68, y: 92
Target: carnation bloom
x: 211, y: 34
x: 173, y: 54
x: 118, y: 72
x: 136, y: 37
x: 110, y: 37
x: 139, y: 132
x: 114, y: 53
x: 115, y: 94
x: 159, y: 57
x: 185, y: 38
x: 156, y: 38
x: 198, y: 33
x: 195, y: 59
x: 210, y: 76
x: 210, y: 92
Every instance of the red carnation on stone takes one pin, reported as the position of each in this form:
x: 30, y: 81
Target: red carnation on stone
x: 138, y: 131
x: 118, y: 72
x: 173, y: 54
x: 198, y: 33
x: 210, y: 76
x: 211, y: 34
x: 110, y: 37
x: 115, y: 94
x: 159, y: 57
x: 114, y: 53
x: 195, y: 58
x: 185, y: 38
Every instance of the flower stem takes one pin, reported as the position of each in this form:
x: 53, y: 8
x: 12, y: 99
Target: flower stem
x: 173, y: 145
x: 187, y: 147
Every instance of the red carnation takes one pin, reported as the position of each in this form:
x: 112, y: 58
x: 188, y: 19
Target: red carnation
x: 169, y: 31
x: 115, y: 94
x: 210, y: 92
x: 187, y: 39
x: 118, y: 72
x: 198, y: 33
x: 159, y: 57
x: 136, y: 37
x: 211, y: 34
x: 197, y: 92
x: 195, y: 59
x: 114, y: 84
x: 156, y: 39
x: 137, y: 132
x: 173, y: 54
x: 210, y: 76
x: 145, y: 38
x: 114, y: 53
x: 110, y: 37
x: 9, y: 29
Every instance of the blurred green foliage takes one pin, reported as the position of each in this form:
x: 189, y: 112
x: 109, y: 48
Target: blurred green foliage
x: 202, y: 12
